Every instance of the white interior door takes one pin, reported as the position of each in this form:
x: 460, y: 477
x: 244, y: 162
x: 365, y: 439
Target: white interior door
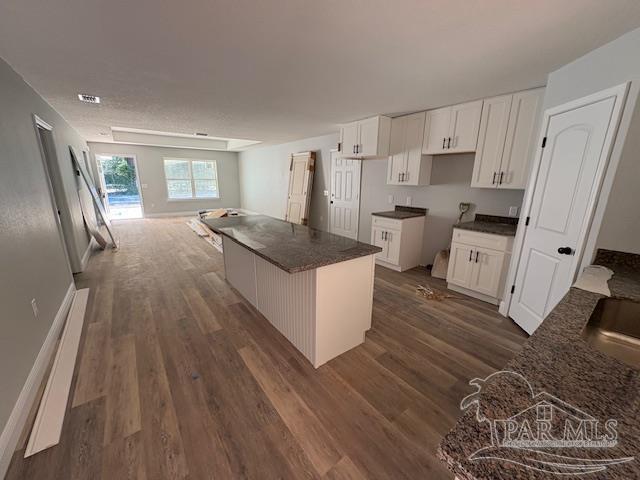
x: 345, y: 196
x: 300, y: 183
x: 578, y: 142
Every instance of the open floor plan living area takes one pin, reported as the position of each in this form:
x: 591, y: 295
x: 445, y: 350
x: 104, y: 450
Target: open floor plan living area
x: 319, y: 240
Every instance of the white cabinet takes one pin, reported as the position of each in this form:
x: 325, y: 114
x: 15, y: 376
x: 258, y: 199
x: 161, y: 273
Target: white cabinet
x: 367, y: 138
x: 407, y: 165
x: 400, y: 240
x: 452, y: 129
x: 506, y: 140
x: 478, y: 264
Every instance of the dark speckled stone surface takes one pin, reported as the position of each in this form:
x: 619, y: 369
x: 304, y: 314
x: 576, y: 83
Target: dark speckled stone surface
x: 557, y: 360
x: 491, y: 224
x: 293, y: 248
x: 401, y: 212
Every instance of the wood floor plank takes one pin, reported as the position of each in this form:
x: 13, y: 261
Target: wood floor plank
x: 179, y: 378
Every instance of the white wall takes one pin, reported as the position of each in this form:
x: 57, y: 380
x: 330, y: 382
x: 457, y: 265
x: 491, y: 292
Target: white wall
x: 151, y: 173
x: 607, y: 66
x: 264, y: 178
x: 32, y: 259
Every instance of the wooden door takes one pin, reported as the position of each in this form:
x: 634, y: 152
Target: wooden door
x: 465, y: 123
x: 577, y: 145
x: 460, y: 264
x: 345, y: 196
x: 397, y: 153
x: 493, y: 131
x: 436, y: 130
x: 300, y: 183
x: 414, y: 135
x: 486, y: 271
x: 520, y: 138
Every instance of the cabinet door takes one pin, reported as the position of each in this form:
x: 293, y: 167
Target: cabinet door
x: 377, y: 239
x: 436, y: 131
x: 465, y: 123
x: 493, y: 131
x: 393, y: 246
x: 349, y: 136
x: 521, y: 136
x: 414, y: 135
x: 368, y: 137
x: 460, y: 264
x: 397, y: 152
x: 486, y: 271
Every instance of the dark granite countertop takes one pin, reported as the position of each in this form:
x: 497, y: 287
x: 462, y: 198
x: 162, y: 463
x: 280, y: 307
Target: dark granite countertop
x: 293, y: 248
x: 401, y: 212
x: 558, y: 361
x: 491, y: 224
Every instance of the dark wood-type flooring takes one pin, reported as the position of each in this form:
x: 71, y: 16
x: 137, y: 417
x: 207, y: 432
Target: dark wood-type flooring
x: 178, y: 378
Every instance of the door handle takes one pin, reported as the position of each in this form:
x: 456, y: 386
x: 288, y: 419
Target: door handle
x: 493, y: 182
x: 444, y: 141
x: 477, y: 253
x: 353, y: 150
x: 470, y: 254
x: 449, y: 143
x: 402, y: 177
x: 384, y: 235
x: 500, y: 180
x: 565, y: 251
x: 398, y: 177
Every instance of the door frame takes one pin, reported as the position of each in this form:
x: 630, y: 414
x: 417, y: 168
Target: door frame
x: 329, y: 216
x: 101, y: 179
x: 591, y: 224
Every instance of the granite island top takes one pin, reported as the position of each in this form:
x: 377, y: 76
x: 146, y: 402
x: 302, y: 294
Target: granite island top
x: 494, y: 224
x: 556, y: 360
x: 402, y: 212
x: 293, y: 248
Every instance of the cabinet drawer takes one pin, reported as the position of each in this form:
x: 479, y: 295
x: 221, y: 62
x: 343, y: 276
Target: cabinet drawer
x: 479, y: 239
x: 387, y: 223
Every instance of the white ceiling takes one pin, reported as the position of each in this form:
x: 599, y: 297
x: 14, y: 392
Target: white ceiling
x: 280, y: 70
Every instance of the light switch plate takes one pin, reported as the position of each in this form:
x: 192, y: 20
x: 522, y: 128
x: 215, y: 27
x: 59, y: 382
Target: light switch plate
x: 513, y: 211
x: 390, y: 199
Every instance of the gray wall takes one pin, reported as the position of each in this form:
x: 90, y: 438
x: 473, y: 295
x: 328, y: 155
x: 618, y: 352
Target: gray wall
x: 264, y: 178
x: 151, y: 174
x: 32, y: 259
x: 607, y: 66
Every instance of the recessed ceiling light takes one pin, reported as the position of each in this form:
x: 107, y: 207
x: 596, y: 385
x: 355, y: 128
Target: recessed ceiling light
x: 201, y: 134
x: 88, y: 98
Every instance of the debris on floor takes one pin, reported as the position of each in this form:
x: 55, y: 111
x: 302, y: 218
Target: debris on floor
x: 205, y: 233
x: 431, y: 294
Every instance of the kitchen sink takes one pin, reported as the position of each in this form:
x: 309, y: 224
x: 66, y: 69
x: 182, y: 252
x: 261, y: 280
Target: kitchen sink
x: 614, y: 329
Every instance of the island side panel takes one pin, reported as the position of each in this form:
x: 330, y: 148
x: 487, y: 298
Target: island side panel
x: 240, y: 269
x: 344, y: 305
x: 287, y: 300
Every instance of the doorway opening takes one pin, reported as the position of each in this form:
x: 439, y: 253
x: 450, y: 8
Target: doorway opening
x: 119, y: 186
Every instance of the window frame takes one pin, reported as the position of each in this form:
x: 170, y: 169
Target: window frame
x: 191, y: 179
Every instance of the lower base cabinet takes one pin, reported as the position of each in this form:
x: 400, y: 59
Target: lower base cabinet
x: 478, y: 264
x: 400, y: 240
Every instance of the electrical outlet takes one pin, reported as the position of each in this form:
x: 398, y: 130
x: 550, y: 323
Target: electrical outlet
x: 513, y: 211
x: 34, y: 307
x: 390, y: 199
x: 408, y: 202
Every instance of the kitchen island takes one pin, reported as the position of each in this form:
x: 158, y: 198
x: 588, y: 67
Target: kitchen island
x: 314, y: 287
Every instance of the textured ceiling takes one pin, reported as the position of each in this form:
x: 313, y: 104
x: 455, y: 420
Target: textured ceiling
x: 279, y: 70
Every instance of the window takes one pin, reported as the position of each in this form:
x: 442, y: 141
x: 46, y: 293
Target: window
x: 187, y: 179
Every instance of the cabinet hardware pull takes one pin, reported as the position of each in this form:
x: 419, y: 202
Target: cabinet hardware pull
x: 500, y: 180
x: 444, y: 140
x: 494, y: 178
x: 353, y: 150
x: 402, y: 177
x: 470, y: 254
x: 449, y: 143
x: 477, y: 253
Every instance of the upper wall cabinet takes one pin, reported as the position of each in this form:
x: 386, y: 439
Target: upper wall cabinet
x: 452, y: 129
x: 506, y: 140
x: 366, y: 138
x: 406, y: 164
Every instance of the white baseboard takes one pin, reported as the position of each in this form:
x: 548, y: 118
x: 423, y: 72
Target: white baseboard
x: 12, y: 430
x: 190, y: 213
x: 87, y: 253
